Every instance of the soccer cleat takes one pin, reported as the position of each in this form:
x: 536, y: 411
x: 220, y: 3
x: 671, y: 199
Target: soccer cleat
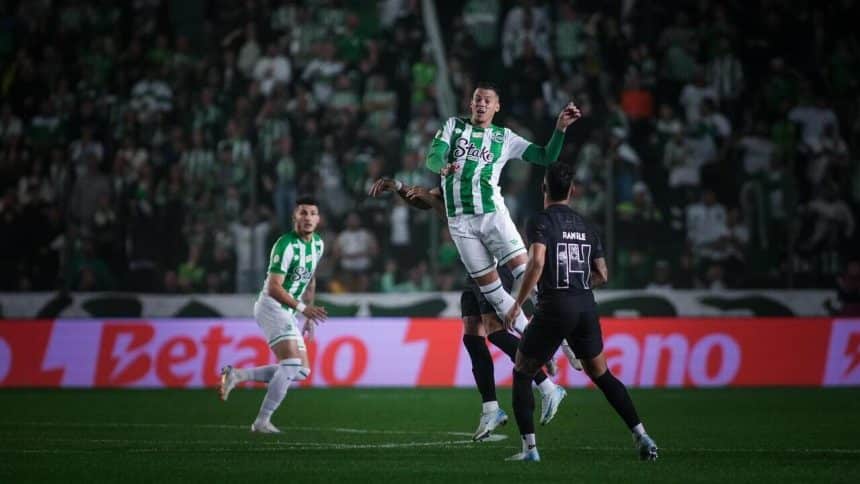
x: 647, y: 447
x: 228, y: 382
x: 489, y: 422
x: 568, y: 353
x: 264, y: 427
x: 551, y: 367
x: 530, y: 455
x: 549, y: 404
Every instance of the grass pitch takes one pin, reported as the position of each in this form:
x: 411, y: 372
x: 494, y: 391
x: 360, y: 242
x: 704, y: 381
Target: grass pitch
x: 394, y: 435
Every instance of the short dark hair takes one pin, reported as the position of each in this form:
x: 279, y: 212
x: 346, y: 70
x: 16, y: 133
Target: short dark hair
x: 307, y: 200
x: 558, y: 179
x: 490, y: 87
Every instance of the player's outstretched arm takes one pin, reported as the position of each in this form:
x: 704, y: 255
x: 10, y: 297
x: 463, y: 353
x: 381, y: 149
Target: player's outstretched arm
x: 275, y: 289
x: 432, y: 198
x: 599, y: 272
x: 547, y: 155
x: 391, y: 185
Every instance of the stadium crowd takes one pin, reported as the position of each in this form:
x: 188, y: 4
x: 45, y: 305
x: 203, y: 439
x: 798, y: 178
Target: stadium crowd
x: 159, y: 145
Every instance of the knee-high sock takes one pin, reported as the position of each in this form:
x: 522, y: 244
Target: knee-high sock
x: 502, y: 302
x: 482, y: 366
x: 518, y: 272
x: 616, y: 393
x: 278, y: 385
x: 261, y: 373
x: 524, y: 403
x: 509, y: 343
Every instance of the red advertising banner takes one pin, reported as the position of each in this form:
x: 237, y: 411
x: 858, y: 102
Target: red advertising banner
x: 364, y: 352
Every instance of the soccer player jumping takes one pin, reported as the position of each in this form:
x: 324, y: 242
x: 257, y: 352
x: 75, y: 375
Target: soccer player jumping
x: 480, y: 323
x: 470, y: 155
x: 565, y: 261
x: 289, y: 289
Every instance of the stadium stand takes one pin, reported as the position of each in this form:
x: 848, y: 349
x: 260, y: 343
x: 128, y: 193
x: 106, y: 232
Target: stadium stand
x: 158, y: 146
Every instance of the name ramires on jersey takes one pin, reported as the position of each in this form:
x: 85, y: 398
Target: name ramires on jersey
x: 465, y: 147
x: 573, y: 235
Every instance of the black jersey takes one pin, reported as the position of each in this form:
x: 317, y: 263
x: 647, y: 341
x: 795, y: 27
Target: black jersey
x: 572, y: 244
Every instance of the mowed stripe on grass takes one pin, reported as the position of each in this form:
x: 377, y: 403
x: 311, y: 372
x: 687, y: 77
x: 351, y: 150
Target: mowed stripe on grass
x: 349, y: 435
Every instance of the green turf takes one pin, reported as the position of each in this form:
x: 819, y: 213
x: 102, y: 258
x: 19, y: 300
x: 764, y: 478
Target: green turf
x: 391, y: 436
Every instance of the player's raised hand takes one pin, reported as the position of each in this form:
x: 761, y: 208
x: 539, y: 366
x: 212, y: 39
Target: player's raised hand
x: 511, y: 317
x: 381, y: 186
x: 567, y: 116
x: 315, y: 313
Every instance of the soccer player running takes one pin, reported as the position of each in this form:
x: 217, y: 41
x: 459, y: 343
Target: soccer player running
x: 479, y: 322
x: 470, y: 155
x: 289, y: 289
x: 565, y: 261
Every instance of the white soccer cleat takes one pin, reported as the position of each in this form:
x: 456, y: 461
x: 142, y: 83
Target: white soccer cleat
x: 646, y: 446
x: 264, y: 427
x: 530, y: 455
x: 568, y: 353
x: 228, y: 382
x: 549, y: 404
x: 489, y: 421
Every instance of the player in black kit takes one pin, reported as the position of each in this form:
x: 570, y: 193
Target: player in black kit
x: 480, y: 323
x: 565, y: 261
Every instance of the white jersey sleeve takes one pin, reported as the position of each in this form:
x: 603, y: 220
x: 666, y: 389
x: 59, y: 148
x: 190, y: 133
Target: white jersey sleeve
x: 444, y: 133
x: 515, y: 145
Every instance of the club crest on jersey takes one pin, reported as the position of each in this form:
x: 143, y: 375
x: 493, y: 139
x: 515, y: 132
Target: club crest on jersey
x: 300, y: 274
x: 470, y: 151
x: 498, y: 136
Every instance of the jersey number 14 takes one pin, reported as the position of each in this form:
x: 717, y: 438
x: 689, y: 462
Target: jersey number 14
x: 573, y: 259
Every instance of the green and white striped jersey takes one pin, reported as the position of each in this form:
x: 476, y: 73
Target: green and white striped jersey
x: 296, y: 259
x: 480, y: 155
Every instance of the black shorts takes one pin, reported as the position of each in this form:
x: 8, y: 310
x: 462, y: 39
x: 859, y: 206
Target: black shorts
x: 544, y: 334
x: 474, y: 304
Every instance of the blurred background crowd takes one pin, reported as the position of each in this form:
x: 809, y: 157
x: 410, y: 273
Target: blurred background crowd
x: 159, y: 145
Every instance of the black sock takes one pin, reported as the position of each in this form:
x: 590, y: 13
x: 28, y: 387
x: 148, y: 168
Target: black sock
x: 482, y: 366
x: 509, y: 343
x: 524, y: 403
x: 616, y: 393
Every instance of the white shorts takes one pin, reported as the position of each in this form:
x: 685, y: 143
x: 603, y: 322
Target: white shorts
x: 485, y: 240
x: 276, y: 322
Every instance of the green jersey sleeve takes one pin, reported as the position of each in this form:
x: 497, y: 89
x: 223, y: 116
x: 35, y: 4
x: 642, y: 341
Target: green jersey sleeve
x: 532, y: 153
x: 439, y: 147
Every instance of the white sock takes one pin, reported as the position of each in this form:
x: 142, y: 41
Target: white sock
x: 546, y: 387
x: 639, y: 429
x: 489, y: 406
x: 261, y: 373
x: 518, y: 272
x: 502, y: 302
x: 529, y: 442
x: 278, y: 385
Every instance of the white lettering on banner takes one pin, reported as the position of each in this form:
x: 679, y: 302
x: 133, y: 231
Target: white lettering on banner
x: 624, y: 364
x: 730, y: 361
x: 843, y: 354
x: 676, y: 347
x: 5, y: 359
x: 670, y: 360
x: 401, y: 352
